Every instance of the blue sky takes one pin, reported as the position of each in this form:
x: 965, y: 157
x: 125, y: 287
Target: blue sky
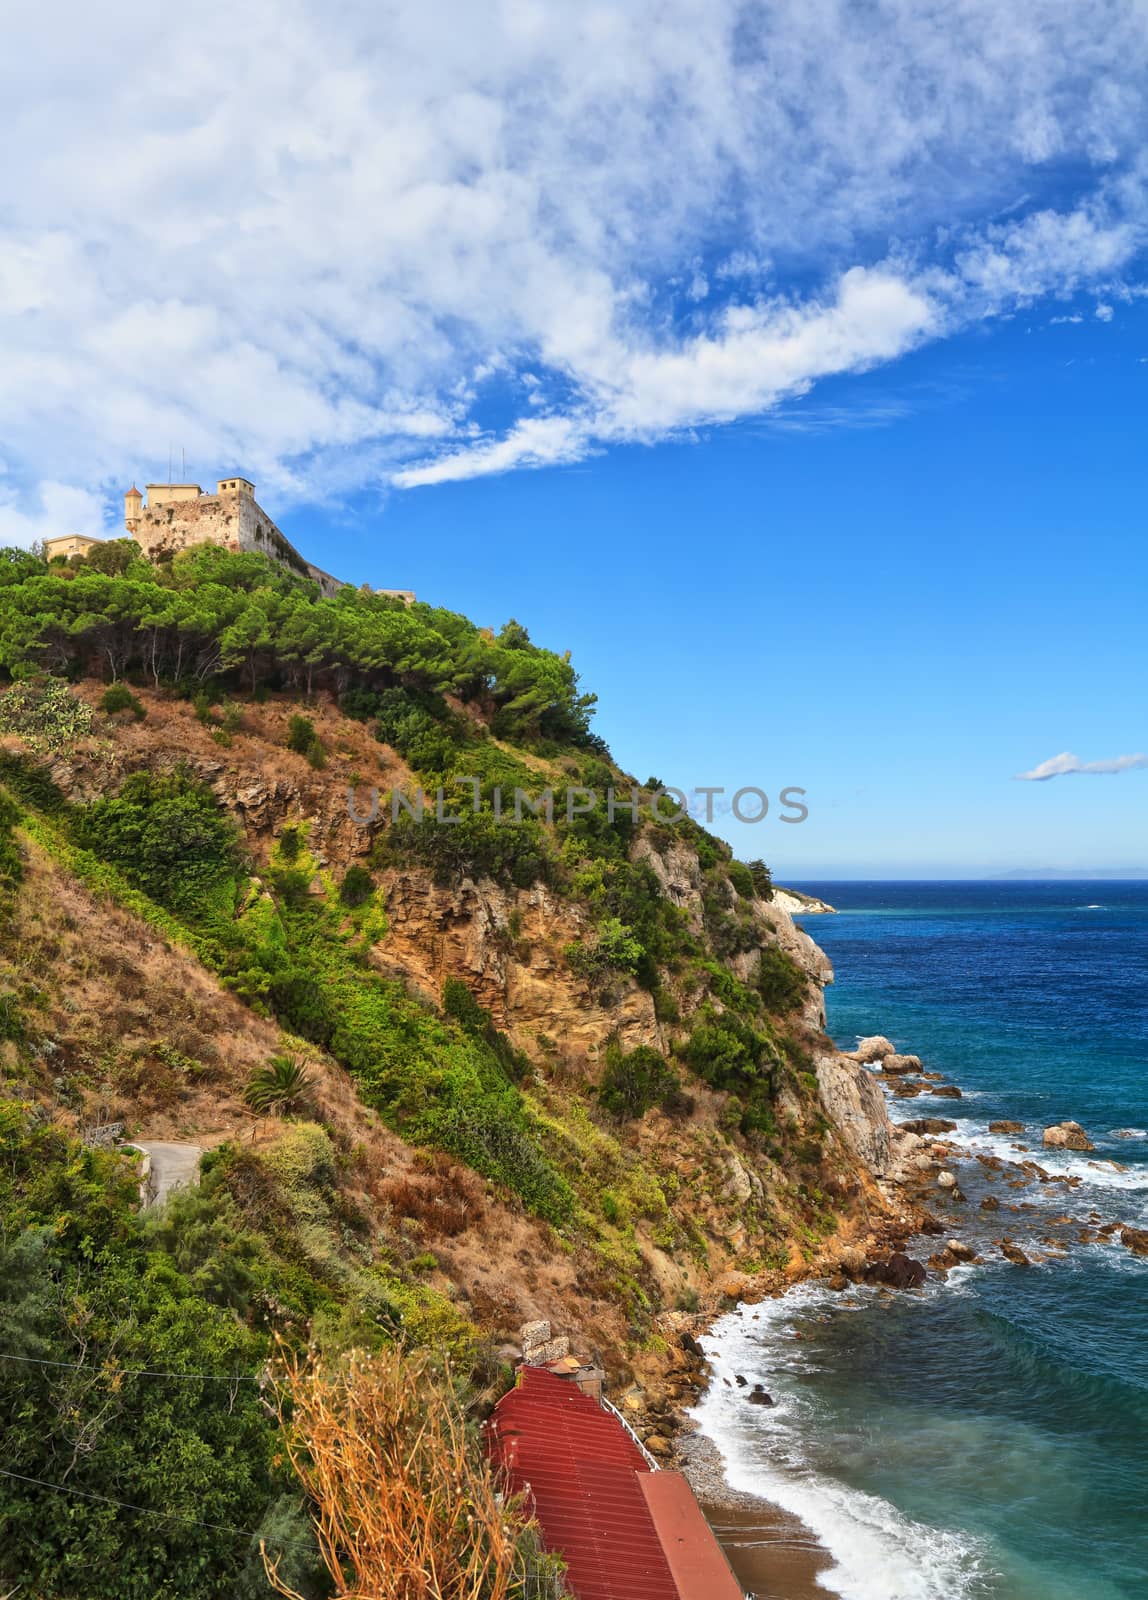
x: 906, y: 591
x: 786, y: 362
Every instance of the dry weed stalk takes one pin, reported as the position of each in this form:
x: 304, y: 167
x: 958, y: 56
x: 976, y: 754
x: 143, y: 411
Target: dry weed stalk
x: 404, y: 1505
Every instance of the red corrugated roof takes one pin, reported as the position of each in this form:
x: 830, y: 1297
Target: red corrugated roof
x: 584, y: 1477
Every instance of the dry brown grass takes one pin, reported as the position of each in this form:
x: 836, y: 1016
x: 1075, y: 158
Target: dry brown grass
x: 405, y: 1506
x: 443, y: 1197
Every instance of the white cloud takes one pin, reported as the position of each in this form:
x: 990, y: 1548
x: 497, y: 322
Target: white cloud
x: 1066, y: 764
x: 1104, y: 312
x: 301, y: 240
x: 53, y: 508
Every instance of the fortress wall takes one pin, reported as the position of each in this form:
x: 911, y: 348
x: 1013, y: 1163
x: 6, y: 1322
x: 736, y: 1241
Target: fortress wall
x: 166, y: 529
x: 232, y: 520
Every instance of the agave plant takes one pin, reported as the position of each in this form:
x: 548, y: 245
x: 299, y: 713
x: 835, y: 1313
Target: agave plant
x: 279, y: 1087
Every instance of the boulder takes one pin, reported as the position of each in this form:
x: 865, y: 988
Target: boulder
x: 894, y: 1064
x: 929, y: 1125
x: 875, y: 1048
x: 657, y: 1445
x: 1013, y: 1253
x: 758, y: 1397
x: 947, y: 1091
x: 1006, y: 1127
x: 850, y: 1261
x: 899, y: 1271
x: 1067, y: 1136
x: 1136, y: 1239
x: 946, y: 1180
x: 990, y: 1203
x: 959, y: 1250
x: 908, y: 1088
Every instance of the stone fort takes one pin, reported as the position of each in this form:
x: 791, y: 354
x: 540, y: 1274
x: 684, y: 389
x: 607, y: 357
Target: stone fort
x: 176, y: 516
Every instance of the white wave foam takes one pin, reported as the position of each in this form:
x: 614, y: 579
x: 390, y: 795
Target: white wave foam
x: 878, y: 1553
x: 1095, y: 1171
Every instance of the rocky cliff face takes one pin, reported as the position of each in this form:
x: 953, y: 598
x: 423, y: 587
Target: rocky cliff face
x: 520, y: 977
x: 702, y: 1210
x: 855, y: 1105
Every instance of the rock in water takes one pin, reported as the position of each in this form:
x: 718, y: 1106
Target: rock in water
x: 894, y: 1064
x: 758, y: 1396
x: 1136, y: 1239
x: 990, y: 1203
x: 875, y: 1048
x: 959, y: 1250
x: 929, y: 1125
x: 1015, y: 1254
x: 948, y: 1091
x: 1067, y: 1136
x: 898, y: 1272
x: 1006, y: 1127
x: 946, y: 1180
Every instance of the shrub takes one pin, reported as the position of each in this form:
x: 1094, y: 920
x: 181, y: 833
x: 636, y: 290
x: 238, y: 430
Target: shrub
x: 301, y: 734
x: 282, y: 1086
x: 460, y: 1005
x: 356, y: 888
x: 168, y: 836
x: 118, y: 697
x: 615, y: 949
x: 636, y: 1080
x: 779, y: 981
x: 474, y: 846
x: 727, y: 1053
x: 45, y: 713
x: 741, y: 878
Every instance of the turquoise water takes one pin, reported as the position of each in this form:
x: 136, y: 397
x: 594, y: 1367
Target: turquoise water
x: 988, y: 1437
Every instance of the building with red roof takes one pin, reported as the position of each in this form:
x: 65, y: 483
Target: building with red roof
x: 626, y: 1530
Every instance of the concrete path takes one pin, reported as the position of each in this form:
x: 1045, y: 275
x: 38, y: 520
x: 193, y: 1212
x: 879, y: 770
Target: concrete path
x: 170, y: 1166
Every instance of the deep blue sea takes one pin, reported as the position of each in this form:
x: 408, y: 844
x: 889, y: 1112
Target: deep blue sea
x: 989, y: 1435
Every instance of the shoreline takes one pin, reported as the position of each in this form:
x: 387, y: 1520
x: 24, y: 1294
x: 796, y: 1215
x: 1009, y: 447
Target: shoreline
x: 774, y: 1554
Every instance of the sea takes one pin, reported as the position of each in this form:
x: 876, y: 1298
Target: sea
x: 986, y: 1436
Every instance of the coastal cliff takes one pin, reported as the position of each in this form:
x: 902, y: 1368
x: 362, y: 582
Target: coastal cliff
x: 448, y: 1074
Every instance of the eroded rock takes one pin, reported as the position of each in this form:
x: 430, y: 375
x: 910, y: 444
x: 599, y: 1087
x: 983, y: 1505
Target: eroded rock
x: 875, y: 1048
x: 1067, y: 1136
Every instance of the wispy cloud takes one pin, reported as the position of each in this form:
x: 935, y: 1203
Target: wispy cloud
x: 314, y: 263
x: 1066, y: 764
